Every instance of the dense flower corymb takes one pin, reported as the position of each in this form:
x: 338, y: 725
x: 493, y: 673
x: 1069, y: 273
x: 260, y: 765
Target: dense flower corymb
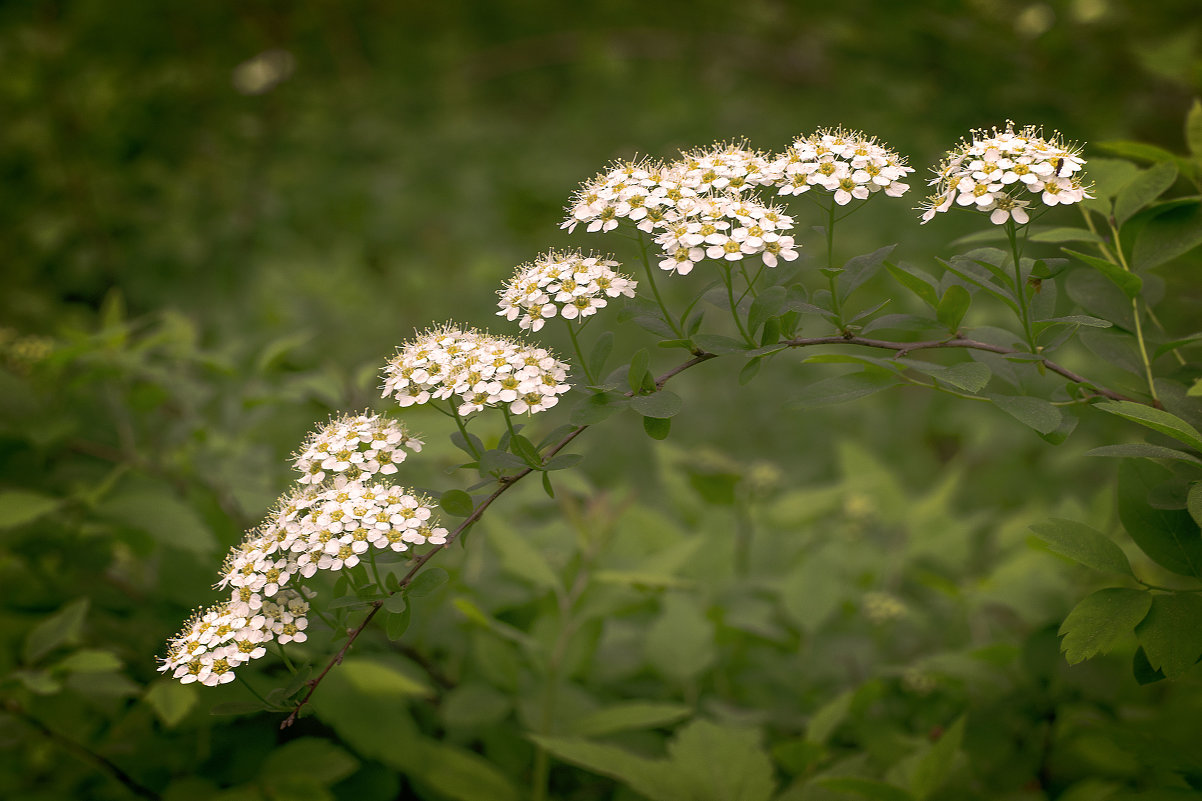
x: 352, y: 447
x: 1004, y: 172
x: 570, y: 285
x: 474, y: 370
x: 848, y: 164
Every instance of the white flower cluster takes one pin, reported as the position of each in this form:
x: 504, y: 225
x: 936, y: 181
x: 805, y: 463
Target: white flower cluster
x: 567, y: 284
x: 702, y: 206
x: 221, y: 638
x: 727, y: 227
x: 353, y: 448
x: 477, y: 369
x: 994, y: 171
x: 849, y: 164
x: 328, y: 523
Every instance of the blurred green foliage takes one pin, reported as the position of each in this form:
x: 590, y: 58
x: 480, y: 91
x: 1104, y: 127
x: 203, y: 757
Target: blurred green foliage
x: 218, y: 219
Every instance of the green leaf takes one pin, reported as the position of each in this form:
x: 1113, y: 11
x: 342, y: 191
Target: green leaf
x: 1193, y: 503
x: 932, y: 769
x: 397, y: 623
x: 769, y: 303
x: 599, y: 355
x: 1135, y: 150
x: 89, y: 660
x: 1143, y: 189
x: 917, y: 281
x: 1169, y: 537
x: 524, y: 449
x: 865, y: 788
x: 629, y: 716
x: 171, y: 701
x: 1129, y: 282
x: 457, y: 503
x: 859, y: 269
x: 1109, y: 177
x: 495, y: 460
x: 1142, y: 669
x: 844, y: 388
x: 18, y: 507
x: 638, y: 370
x: 155, y: 508
x: 519, y: 558
x: 1083, y: 544
x: 462, y: 775
x: 680, y: 643
x: 427, y: 581
x: 750, y: 370
x: 721, y: 763
x: 1079, y: 319
x: 1155, y: 419
x: 952, y: 306
x: 395, y: 603
x: 563, y: 461
x: 1177, y: 343
x: 1171, y: 634
x: 597, y: 407
x: 59, y: 629
x: 718, y: 344
x: 1037, y: 413
x: 378, y: 679
x: 1193, y: 130
x: 1058, y: 235
x: 657, y: 427
x: 311, y: 760
x: 967, y: 376
x: 826, y: 719
x: 645, y: 776
x: 1143, y: 450
x: 662, y: 404
x: 1100, y: 619
x: 1168, y: 235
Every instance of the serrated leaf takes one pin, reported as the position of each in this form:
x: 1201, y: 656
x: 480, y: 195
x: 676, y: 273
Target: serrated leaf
x: 59, y: 629
x: 457, y: 503
x: 1168, y: 536
x: 1168, y: 235
x: 1083, y: 544
x: 952, y: 306
x: 1129, y: 282
x: 1155, y: 419
x: 721, y: 763
x: 1096, y: 623
x: 1143, y: 189
x: 1142, y: 669
x: 18, y: 507
x: 662, y: 404
x: 844, y: 388
x: 171, y: 701
x: 1037, y: 413
x: 634, y: 715
x: 1171, y: 634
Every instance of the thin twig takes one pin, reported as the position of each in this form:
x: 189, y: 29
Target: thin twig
x: 699, y: 356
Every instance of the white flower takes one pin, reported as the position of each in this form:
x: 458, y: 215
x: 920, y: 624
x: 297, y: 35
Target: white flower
x: 568, y: 284
x: 354, y: 447
x: 849, y: 164
x: 997, y: 169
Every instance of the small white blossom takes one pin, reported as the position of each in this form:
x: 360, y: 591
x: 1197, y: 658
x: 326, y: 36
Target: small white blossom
x: 568, y: 284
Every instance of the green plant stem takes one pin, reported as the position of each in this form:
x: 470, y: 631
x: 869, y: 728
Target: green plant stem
x: 734, y: 306
x: 588, y: 376
x: 1020, y: 286
x: 1139, y: 329
x: 655, y: 289
x: 458, y: 418
x: 254, y: 692
x: 832, y: 276
x: 508, y: 421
